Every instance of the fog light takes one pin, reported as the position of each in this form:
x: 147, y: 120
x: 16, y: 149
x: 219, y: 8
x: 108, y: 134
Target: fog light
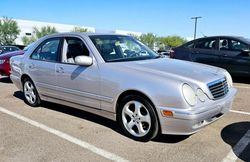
x: 167, y: 113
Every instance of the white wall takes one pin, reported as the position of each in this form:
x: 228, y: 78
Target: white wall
x: 26, y: 26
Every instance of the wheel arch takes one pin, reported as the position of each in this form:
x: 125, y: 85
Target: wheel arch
x: 141, y: 94
x: 136, y: 92
x: 25, y: 76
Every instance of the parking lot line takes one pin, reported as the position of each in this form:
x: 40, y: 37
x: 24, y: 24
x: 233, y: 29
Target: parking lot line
x: 65, y: 136
x: 234, y: 153
x: 240, y: 112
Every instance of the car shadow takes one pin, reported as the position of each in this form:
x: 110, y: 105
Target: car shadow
x: 243, y: 80
x: 162, y: 138
x: 5, y: 80
x: 232, y: 134
x: 99, y: 120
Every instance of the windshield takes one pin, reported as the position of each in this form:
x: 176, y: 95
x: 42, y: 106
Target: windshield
x: 115, y: 48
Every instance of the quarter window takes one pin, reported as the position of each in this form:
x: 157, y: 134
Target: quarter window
x: 48, y: 51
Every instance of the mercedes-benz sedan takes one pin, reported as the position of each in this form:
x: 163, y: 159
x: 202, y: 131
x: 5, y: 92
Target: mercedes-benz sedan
x: 118, y: 77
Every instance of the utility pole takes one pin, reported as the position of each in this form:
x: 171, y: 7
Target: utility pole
x: 195, y: 24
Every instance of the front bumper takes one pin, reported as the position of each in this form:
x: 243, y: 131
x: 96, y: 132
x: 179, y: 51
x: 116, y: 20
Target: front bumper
x: 187, y: 121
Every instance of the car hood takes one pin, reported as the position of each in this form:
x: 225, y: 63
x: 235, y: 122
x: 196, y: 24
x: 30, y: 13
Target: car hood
x: 176, y: 69
x: 11, y: 54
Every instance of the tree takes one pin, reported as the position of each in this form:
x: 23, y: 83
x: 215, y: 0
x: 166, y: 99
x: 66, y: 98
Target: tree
x: 148, y: 39
x: 38, y: 33
x: 134, y: 35
x: 79, y: 29
x: 172, y: 41
x: 9, y: 31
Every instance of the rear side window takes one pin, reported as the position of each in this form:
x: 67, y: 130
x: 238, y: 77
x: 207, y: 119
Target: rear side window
x: 47, y: 51
x: 206, y: 44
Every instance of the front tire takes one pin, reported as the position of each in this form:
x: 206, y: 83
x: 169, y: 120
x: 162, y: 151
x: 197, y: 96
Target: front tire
x: 31, y: 96
x: 137, y: 118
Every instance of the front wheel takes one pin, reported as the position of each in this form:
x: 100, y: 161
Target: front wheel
x: 31, y: 96
x: 137, y: 118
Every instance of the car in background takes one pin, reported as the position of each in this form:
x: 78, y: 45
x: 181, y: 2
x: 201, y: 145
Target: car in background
x: 5, y: 49
x: 5, y: 62
x: 230, y: 53
x: 119, y: 78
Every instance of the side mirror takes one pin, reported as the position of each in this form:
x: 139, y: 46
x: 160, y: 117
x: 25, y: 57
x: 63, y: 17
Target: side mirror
x: 84, y: 60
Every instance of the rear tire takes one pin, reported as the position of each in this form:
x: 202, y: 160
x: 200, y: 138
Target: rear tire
x: 31, y: 96
x: 137, y: 118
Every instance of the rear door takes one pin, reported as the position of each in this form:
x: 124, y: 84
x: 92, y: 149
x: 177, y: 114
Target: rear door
x: 41, y: 66
x: 206, y: 51
x: 234, y: 59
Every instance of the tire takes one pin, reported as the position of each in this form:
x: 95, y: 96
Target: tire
x: 31, y: 96
x: 137, y: 118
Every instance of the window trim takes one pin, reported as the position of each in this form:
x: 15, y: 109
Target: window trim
x: 59, y: 49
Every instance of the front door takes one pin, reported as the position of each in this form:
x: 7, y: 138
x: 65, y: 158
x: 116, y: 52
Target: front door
x: 234, y: 59
x: 76, y: 83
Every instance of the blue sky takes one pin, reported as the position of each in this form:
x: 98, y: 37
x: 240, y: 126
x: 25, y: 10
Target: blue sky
x: 162, y: 17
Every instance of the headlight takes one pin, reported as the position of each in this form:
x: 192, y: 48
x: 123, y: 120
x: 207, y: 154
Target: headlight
x: 201, y: 95
x: 189, y: 94
x: 2, y: 61
x: 229, y: 78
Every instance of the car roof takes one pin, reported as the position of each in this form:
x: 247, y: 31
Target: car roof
x: 84, y: 33
x: 243, y: 39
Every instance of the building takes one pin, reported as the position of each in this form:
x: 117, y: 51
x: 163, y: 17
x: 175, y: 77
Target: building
x: 26, y: 27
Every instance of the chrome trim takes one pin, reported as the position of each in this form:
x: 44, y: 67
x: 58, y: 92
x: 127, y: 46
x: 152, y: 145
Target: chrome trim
x: 77, y: 93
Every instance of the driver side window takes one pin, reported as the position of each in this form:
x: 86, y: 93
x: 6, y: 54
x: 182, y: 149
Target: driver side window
x: 238, y: 46
x: 73, y: 47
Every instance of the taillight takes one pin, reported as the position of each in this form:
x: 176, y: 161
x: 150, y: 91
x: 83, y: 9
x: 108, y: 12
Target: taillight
x: 172, y: 53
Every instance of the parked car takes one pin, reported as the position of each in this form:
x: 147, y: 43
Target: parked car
x: 119, y: 78
x: 5, y: 49
x: 4, y: 62
x: 231, y: 53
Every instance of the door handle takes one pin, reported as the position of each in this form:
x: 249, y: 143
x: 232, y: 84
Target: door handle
x: 60, y: 70
x: 31, y: 66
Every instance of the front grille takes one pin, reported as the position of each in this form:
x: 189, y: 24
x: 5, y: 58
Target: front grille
x: 218, y: 88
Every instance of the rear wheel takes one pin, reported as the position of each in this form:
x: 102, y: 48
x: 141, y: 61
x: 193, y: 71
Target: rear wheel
x: 137, y: 118
x: 31, y: 96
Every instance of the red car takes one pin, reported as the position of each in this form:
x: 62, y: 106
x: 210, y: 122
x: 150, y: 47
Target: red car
x: 4, y: 61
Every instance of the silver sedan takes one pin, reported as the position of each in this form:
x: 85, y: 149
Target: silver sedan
x: 118, y: 77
